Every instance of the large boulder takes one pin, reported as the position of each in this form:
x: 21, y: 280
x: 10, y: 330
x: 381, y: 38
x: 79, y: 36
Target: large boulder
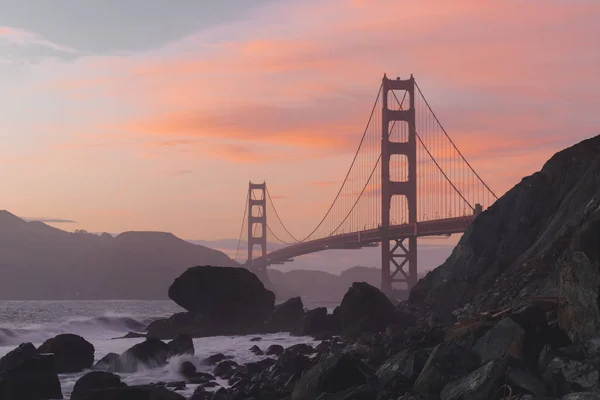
x: 336, y: 373
x: 181, y: 344
x: 150, y: 353
x: 540, y: 239
x: 28, y: 375
x: 365, y: 306
x: 447, y: 361
x: 287, y: 316
x: 95, y: 380
x: 317, y: 321
x: 505, y: 338
x: 72, y: 353
x: 223, y: 293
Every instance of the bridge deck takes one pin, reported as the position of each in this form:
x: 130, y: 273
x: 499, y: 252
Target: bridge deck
x: 357, y: 240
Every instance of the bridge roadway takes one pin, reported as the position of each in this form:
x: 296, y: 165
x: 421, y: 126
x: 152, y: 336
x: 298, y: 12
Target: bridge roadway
x: 357, y: 240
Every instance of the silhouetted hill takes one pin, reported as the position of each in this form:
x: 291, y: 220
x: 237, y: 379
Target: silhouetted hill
x: 319, y: 285
x: 38, y: 261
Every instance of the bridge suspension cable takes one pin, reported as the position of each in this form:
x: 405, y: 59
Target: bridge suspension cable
x: 242, y: 228
x: 452, y: 142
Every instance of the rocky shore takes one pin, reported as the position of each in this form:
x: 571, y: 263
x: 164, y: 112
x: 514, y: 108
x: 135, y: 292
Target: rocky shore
x: 512, y: 314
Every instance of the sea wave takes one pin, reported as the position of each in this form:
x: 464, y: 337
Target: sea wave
x: 104, y: 327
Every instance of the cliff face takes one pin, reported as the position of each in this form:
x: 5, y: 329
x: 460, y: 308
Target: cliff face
x: 542, y: 238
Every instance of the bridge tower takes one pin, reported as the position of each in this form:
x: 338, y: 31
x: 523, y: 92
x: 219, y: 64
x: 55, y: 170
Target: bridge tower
x: 257, y: 223
x: 400, y: 255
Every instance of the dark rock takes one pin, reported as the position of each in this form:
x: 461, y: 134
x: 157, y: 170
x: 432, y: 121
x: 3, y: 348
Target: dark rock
x: 95, y: 380
x: 317, y: 322
x: 365, y: 306
x: 72, y: 353
x: 256, y: 350
x: 181, y: 344
x: 110, y: 362
x: 214, y: 359
x: 335, y: 374
x: 179, y: 385
x: 580, y: 396
x: 132, y: 335
x: 256, y: 339
x: 300, y: 349
x: 187, y: 369
x: 564, y: 374
x: 26, y: 374
x: 505, y: 338
x: 223, y: 293
x: 151, y: 353
x: 363, y: 392
x: 526, y: 381
x: 134, y: 393
x: 401, y: 370
x: 540, y: 239
x: 479, y: 384
x: 447, y: 362
x: 275, y: 350
x: 287, y: 316
x: 225, y: 369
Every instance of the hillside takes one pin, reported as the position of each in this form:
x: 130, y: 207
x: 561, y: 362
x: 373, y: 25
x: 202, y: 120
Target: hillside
x: 38, y: 261
x: 541, y: 239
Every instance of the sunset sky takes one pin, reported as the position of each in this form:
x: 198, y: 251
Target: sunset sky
x: 154, y: 115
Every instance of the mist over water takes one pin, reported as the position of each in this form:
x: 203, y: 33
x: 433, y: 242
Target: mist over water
x: 101, y: 321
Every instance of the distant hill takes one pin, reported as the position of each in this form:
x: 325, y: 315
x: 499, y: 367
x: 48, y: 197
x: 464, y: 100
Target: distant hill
x: 319, y: 285
x: 38, y: 261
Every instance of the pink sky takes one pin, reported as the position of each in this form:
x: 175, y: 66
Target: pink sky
x: 167, y: 138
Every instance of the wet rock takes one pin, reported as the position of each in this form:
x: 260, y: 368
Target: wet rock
x: 335, y: 374
x: 214, y: 359
x: 365, y: 306
x: 110, y: 362
x: 72, y: 353
x: 318, y: 322
x: 134, y: 392
x: 447, y: 362
x: 208, y: 291
x: 300, y: 349
x: 132, y: 335
x: 505, y: 338
x: 256, y: 339
x: 479, y: 384
x: 151, y: 353
x: 401, y: 370
x: 187, y: 369
x: 181, y: 344
x: 275, y: 350
x: 95, y: 380
x: 225, y: 369
x: 201, y: 394
x: 287, y: 316
x: 27, y: 374
x: 256, y: 350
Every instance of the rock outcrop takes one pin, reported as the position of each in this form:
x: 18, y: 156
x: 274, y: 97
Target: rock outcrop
x: 219, y: 300
x: 25, y: 373
x: 541, y: 239
x: 287, y: 316
x: 223, y: 293
x: 72, y: 353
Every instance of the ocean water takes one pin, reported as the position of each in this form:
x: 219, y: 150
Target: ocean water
x: 100, y: 322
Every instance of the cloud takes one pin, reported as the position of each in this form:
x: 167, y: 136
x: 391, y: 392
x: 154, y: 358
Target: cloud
x: 50, y: 220
x: 27, y: 38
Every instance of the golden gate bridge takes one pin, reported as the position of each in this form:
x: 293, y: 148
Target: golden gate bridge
x: 407, y: 179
